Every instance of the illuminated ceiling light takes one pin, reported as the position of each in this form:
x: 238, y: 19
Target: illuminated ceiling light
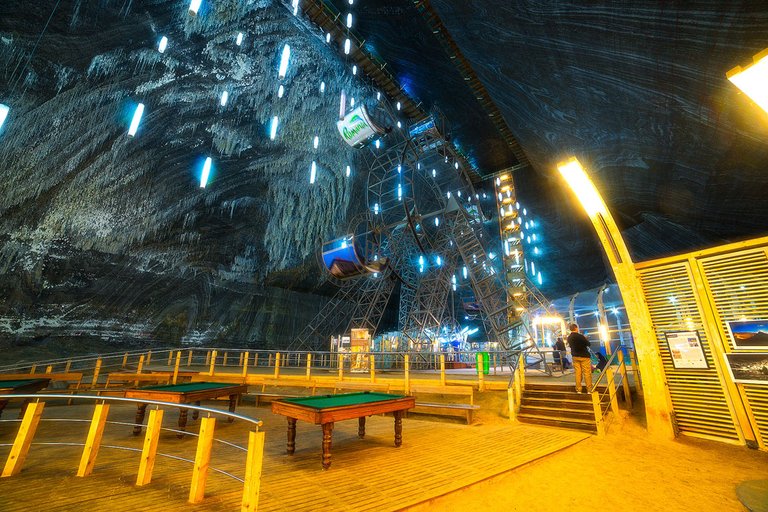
x: 347, y: 46
x: 582, y: 186
x: 378, y: 143
x: 295, y: 5
x: 399, y: 169
x: 399, y: 125
x: 439, y: 261
x: 455, y: 165
x: 206, y: 172
x: 327, y: 37
x: 376, y: 208
x: 349, y: 171
x: 517, y: 205
x: 4, y: 109
x: 437, y: 221
x: 284, y: 59
x: 194, y: 6
x: 378, y: 95
x: 312, y: 173
x: 498, y: 182
x: 322, y: 86
x: 354, y: 69
x: 280, y: 91
x: 224, y: 98
x: 398, y: 105
x: 273, y: 128
x: 316, y: 142
x: 239, y: 39
x: 351, y: 102
x: 753, y: 80
x: 349, y: 20
x: 163, y: 44
x: 131, y: 130
x: 434, y: 173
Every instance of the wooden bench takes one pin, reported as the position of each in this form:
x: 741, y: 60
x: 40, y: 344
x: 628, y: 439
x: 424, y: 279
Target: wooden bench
x: 120, y: 379
x: 352, y: 386
x: 427, y: 403
x: 309, y: 387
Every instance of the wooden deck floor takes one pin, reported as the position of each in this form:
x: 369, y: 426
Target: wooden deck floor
x: 436, y: 458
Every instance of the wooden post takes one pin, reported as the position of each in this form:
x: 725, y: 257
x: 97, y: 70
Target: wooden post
x: 212, y: 367
x: 521, y: 365
x: 480, y: 375
x: 277, y: 365
x: 141, y: 364
x: 93, y: 441
x: 372, y: 365
x: 189, y: 359
x: 125, y: 360
x: 442, y: 369
x: 244, y: 362
x: 624, y: 380
x: 170, y: 358
x: 309, y: 365
x: 176, y: 367
x: 240, y: 361
x: 202, y: 460
x: 518, y: 382
x: 598, y: 411
x: 68, y: 366
x: 341, y: 367
x: 511, y: 401
x: 49, y: 368
x: 256, y: 359
x: 269, y: 362
x: 149, y: 452
x: 32, y: 369
x: 407, y: 366
x: 207, y: 358
x: 96, y: 371
x: 612, y: 390
x: 149, y: 356
x: 23, y: 440
x: 495, y: 362
x: 253, y: 464
x: 224, y: 361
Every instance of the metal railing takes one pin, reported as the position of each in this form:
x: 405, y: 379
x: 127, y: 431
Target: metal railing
x: 611, y: 390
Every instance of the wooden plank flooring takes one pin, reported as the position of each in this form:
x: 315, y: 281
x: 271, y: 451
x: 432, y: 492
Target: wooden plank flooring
x: 366, y: 474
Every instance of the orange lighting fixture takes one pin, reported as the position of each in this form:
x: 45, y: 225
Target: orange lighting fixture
x: 753, y: 79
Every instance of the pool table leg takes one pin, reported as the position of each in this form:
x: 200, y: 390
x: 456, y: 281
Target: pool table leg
x: 232, y: 405
x: 196, y: 413
x: 361, y: 427
x: 398, y: 427
x: 327, y: 435
x: 182, y: 422
x: 140, y: 411
x: 291, y: 436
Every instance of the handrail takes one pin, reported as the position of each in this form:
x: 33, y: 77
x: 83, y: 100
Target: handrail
x: 604, y: 372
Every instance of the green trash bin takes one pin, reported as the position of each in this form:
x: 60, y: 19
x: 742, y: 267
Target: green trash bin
x: 486, y: 366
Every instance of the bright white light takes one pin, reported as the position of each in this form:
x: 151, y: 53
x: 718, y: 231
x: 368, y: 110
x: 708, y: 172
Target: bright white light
x: 398, y: 105
x: 448, y: 195
x: 753, y: 79
x: 378, y: 95
x: 273, y: 128
x: 517, y: 205
x: 498, y: 182
x: 525, y: 212
x: 312, y: 173
x: 316, y: 141
x: 347, y: 46
x: 434, y: 173
x: 4, y: 109
x: 354, y: 70
x: 533, y: 268
x: 194, y: 6
x: 582, y: 186
x: 458, y: 193
x: 399, y: 192
x: 535, y: 250
x: 464, y: 272
x: 376, y: 208
x: 437, y: 221
x: 349, y: 20
x: 285, y: 57
x: 349, y: 171
x: 540, y: 278
x: 131, y: 130
x: 224, y: 98
x: 399, y: 169
x: 322, y: 86
x: 163, y: 44
x: 378, y: 143
x: 206, y: 172
x: 399, y: 125
x: 455, y: 165
x: 351, y: 102
x: 439, y: 261
x: 280, y: 91
x: 295, y: 5
x: 239, y: 39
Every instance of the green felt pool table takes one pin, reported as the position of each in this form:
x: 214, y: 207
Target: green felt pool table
x: 186, y: 393
x: 21, y: 387
x: 327, y: 409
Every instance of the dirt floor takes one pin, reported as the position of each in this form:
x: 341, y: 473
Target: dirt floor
x: 626, y: 470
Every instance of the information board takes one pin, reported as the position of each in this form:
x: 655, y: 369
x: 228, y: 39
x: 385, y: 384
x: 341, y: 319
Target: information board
x: 686, y: 350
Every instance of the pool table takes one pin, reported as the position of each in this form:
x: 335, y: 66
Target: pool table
x: 327, y: 409
x: 186, y: 393
x: 17, y: 386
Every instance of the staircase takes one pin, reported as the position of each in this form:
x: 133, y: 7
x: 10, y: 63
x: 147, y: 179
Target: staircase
x: 558, y: 405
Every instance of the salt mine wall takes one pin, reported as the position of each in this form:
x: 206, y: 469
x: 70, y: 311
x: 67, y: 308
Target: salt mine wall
x: 110, y: 239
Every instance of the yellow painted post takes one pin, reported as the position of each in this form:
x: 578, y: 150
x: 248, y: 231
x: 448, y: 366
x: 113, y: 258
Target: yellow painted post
x: 598, y: 411
x: 224, y: 361
x: 341, y: 367
x: 612, y: 390
x: 480, y: 373
x: 149, y: 451
x: 23, y: 440
x: 96, y: 371
x: 93, y: 441
x: 202, y: 460
x: 624, y: 380
x: 269, y: 362
x: 442, y: 369
x: 176, y: 367
x: 372, y: 364
x: 256, y: 359
x: 49, y: 368
x: 207, y: 358
x: 244, y: 362
x: 189, y: 359
x: 149, y: 357
x: 511, y: 401
x: 240, y: 361
x: 68, y: 366
x: 141, y: 364
x: 518, y: 382
x: 170, y: 358
x: 407, y: 367
x: 253, y: 464
x: 521, y: 365
x: 277, y: 365
x: 32, y: 369
x: 125, y: 360
x: 212, y: 367
x: 309, y: 365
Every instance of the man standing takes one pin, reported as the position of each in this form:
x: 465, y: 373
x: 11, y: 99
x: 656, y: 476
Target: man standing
x: 582, y: 363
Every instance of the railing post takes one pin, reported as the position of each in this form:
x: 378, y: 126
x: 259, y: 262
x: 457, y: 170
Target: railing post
x: 96, y: 371
x: 269, y: 363
x: 480, y: 373
x: 125, y: 360
x: 372, y: 364
x: 521, y: 366
x: 240, y: 361
x: 407, y: 367
x: 23, y: 440
x: 495, y: 362
x: 68, y: 366
x: 189, y: 359
x: 93, y: 441
x: 149, y: 451
x: 149, y: 356
x: 176, y: 367
x: 309, y: 365
x: 202, y: 460
x: 32, y: 369
x: 141, y: 364
x: 212, y: 367
x: 277, y: 365
x: 256, y: 359
x: 253, y: 464
x: 598, y: 411
x: 224, y: 360
x: 512, y: 406
x: 442, y: 369
x: 244, y: 362
x: 612, y: 390
x: 170, y: 358
x: 207, y: 357
x: 49, y: 368
x: 341, y: 367
x: 624, y: 380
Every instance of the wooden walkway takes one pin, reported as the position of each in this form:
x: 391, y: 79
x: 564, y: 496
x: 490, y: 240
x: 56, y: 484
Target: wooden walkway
x: 436, y: 458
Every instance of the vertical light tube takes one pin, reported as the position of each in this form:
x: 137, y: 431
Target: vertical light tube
x: 194, y: 6
x: 347, y: 46
x: 313, y: 173
x: 239, y: 39
x: 273, y: 128
x: 206, y: 172
x: 224, y: 98
x: 285, y: 57
x: 4, y: 109
x: 349, y: 171
x: 136, y: 119
x: 163, y: 44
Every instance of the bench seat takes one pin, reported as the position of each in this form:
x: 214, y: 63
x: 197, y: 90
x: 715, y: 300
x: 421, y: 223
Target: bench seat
x: 429, y: 401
